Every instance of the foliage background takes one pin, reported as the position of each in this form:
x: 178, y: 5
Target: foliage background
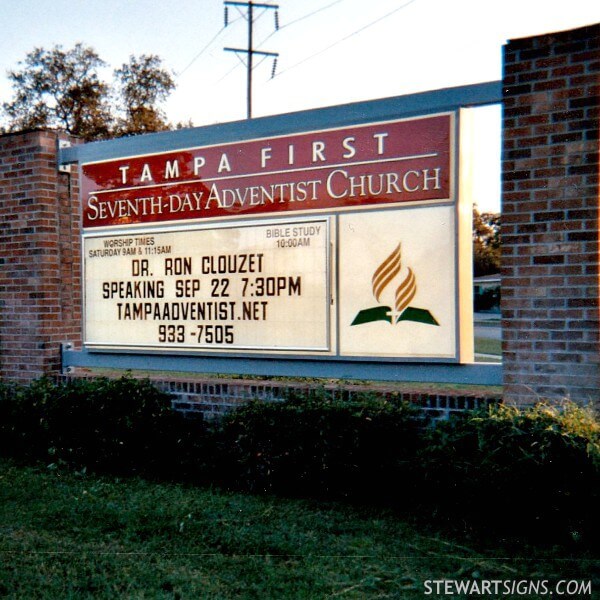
x: 62, y: 89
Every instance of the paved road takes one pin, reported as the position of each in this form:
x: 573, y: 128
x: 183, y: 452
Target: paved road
x: 489, y: 332
x: 487, y: 326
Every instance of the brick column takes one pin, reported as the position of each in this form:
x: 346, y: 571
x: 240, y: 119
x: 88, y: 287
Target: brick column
x: 550, y: 210
x: 40, y: 256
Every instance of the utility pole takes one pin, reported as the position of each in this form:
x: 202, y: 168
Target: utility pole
x: 250, y: 51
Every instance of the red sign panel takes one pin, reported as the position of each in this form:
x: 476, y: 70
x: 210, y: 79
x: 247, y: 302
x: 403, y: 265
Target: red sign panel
x: 383, y: 163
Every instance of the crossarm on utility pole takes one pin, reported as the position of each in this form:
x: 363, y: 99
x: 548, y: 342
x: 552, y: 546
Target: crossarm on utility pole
x: 255, y: 4
x: 244, y: 51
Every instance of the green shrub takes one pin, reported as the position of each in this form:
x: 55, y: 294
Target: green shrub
x: 19, y: 422
x: 123, y: 426
x: 362, y: 448
x: 502, y: 470
x: 534, y: 470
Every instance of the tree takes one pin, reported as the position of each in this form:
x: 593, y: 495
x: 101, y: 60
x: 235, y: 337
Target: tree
x: 57, y: 88
x: 62, y: 89
x: 486, y: 243
x: 143, y: 83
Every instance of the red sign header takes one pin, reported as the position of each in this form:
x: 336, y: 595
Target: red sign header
x: 382, y: 163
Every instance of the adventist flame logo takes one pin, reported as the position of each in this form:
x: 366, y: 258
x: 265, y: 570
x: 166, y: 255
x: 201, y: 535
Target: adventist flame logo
x: 402, y: 296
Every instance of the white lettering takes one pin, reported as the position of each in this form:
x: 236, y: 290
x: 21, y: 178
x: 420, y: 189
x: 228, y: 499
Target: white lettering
x: 357, y: 188
x: 146, y: 173
x: 405, y: 181
x: 93, y: 215
x: 317, y: 151
x: 347, y: 144
x: 329, y: 183
x: 214, y: 195
x: 265, y: 155
x: 172, y: 169
x: 427, y: 178
x: 380, y: 137
x: 224, y: 164
x: 199, y: 162
x: 124, y: 170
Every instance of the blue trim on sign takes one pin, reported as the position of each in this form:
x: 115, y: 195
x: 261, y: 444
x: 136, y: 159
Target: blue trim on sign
x: 474, y: 374
x: 420, y: 104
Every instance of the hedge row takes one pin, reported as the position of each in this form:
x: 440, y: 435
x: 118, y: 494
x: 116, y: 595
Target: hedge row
x: 531, y: 471
x: 124, y: 426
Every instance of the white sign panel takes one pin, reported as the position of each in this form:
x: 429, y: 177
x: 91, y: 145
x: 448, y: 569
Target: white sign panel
x: 260, y: 286
x: 397, y: 278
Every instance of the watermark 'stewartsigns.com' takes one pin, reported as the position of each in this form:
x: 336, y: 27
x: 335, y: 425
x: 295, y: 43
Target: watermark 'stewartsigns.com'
x: 512, y: 588
x: 402, y: 297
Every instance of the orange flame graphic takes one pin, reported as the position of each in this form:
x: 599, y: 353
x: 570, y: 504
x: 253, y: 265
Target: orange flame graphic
x: 388, y: 269
x: 384, y: 274
x: 406, y: 291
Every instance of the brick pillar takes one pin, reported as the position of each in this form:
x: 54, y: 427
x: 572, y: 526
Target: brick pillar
x: 550, y: 210
x: 40, y: 256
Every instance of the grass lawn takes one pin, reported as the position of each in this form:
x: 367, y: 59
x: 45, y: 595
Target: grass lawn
x: 488, y: 346
x: 68, y: 535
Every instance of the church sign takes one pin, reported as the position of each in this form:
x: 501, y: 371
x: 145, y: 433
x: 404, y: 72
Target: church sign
x: 339, y: 242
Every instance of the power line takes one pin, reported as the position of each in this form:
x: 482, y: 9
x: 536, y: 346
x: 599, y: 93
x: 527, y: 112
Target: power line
x: 346, y: 37
x: 314, y: 12
x: 202, y: 51
x: 207, y: 46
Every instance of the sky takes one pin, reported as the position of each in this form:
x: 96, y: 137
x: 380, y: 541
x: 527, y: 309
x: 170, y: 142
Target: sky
x: 331, y: 52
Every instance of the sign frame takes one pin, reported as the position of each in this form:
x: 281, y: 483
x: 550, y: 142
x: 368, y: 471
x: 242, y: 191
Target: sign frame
x: 442, y: 100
